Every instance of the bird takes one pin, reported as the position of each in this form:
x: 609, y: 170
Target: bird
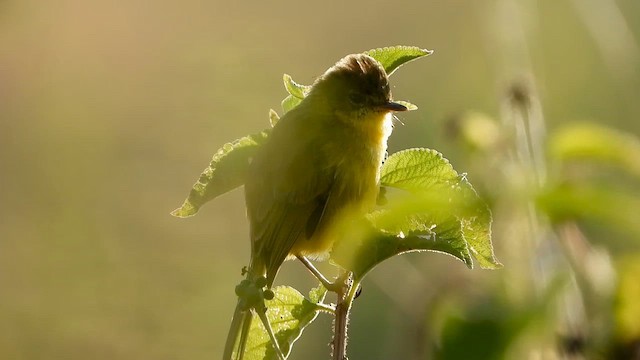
x: 320, y: 165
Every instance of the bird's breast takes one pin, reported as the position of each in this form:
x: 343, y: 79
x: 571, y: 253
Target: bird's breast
x: 355, y: 154
x: 362, y: 157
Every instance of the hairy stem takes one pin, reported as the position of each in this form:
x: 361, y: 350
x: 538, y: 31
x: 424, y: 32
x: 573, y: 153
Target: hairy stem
x: 346, y: 294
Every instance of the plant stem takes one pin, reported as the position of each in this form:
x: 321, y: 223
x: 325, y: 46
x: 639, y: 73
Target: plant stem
x: 346, y: 294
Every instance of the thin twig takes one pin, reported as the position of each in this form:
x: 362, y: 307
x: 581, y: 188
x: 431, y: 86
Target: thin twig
x: 261, y: 311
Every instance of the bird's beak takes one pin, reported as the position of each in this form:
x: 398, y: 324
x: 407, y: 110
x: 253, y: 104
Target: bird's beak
x: 393, y: 106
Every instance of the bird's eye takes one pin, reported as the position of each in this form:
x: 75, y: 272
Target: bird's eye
x: 356, y: 98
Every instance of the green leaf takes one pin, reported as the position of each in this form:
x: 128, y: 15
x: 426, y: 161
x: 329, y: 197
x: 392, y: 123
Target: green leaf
x: 365, y: 247
x: 226, y: 171
x: 297, y: 93
x: 627, y: 309
x: 289, y: 103
x: 273, y: 117
x: 604, y: 204
x: 317, y: 294
x: 289, y: 313
x: 293, y: 88
x: 393, y: 57
x: 487, y: 329
x: 476, y: 227
x: 442, y: 193
x: 417, y: 170
x: 585, y: 141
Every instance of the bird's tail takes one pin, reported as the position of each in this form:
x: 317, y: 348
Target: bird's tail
x: 238, y: 333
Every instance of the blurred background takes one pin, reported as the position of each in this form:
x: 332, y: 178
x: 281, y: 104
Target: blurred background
x: 110, y: 110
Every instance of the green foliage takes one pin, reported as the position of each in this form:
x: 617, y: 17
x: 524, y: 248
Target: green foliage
x: 367, y: 247
x: 273, y: 117
x: 487, y: 330
x: 597, y: 143
x: 489, y: 338
x: 435, y: 209
x: 417, y: 170
x: 628, y: 310
x: 598, y: 204
x: 592, y: 198
x: 289, y: 313
x: 289, y: 103
x: 441, y: 213
x: 226, y: 171
x: 393, y: 57
x: 425, y: 172
x: 295, y: 89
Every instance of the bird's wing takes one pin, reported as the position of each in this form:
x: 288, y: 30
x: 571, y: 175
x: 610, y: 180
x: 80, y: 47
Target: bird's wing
x: 286, y: 192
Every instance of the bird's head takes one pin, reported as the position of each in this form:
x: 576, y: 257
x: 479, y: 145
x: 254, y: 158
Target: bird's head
x: 356, y: 87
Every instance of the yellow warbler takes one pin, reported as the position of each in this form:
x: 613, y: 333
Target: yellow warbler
x: 321, y: 162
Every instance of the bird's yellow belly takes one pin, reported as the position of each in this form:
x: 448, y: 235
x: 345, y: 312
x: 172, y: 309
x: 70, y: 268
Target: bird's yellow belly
x: 355, y: 190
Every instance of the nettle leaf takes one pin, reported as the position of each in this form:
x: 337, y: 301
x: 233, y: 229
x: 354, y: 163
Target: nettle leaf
x: 393, y: 57
x: 436, y: 210
x: 226, y: 171
x: 366, y: 246
x: 417, y: 170
x: 297, y: 92
x: 317, y: 294
x: 289, y: 103
x: 443, y: 193
x: 293, y: 88
x: 273, y: 117
x: 289, y: 313
x: 476, y: 227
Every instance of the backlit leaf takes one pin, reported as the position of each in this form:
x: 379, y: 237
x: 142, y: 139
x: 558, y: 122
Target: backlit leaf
x: 293, y: 88
x: 289, y: 103
x: 226, y: 171
x: 445, y: 192
x: 289, y: 313
x: 393, y: 57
